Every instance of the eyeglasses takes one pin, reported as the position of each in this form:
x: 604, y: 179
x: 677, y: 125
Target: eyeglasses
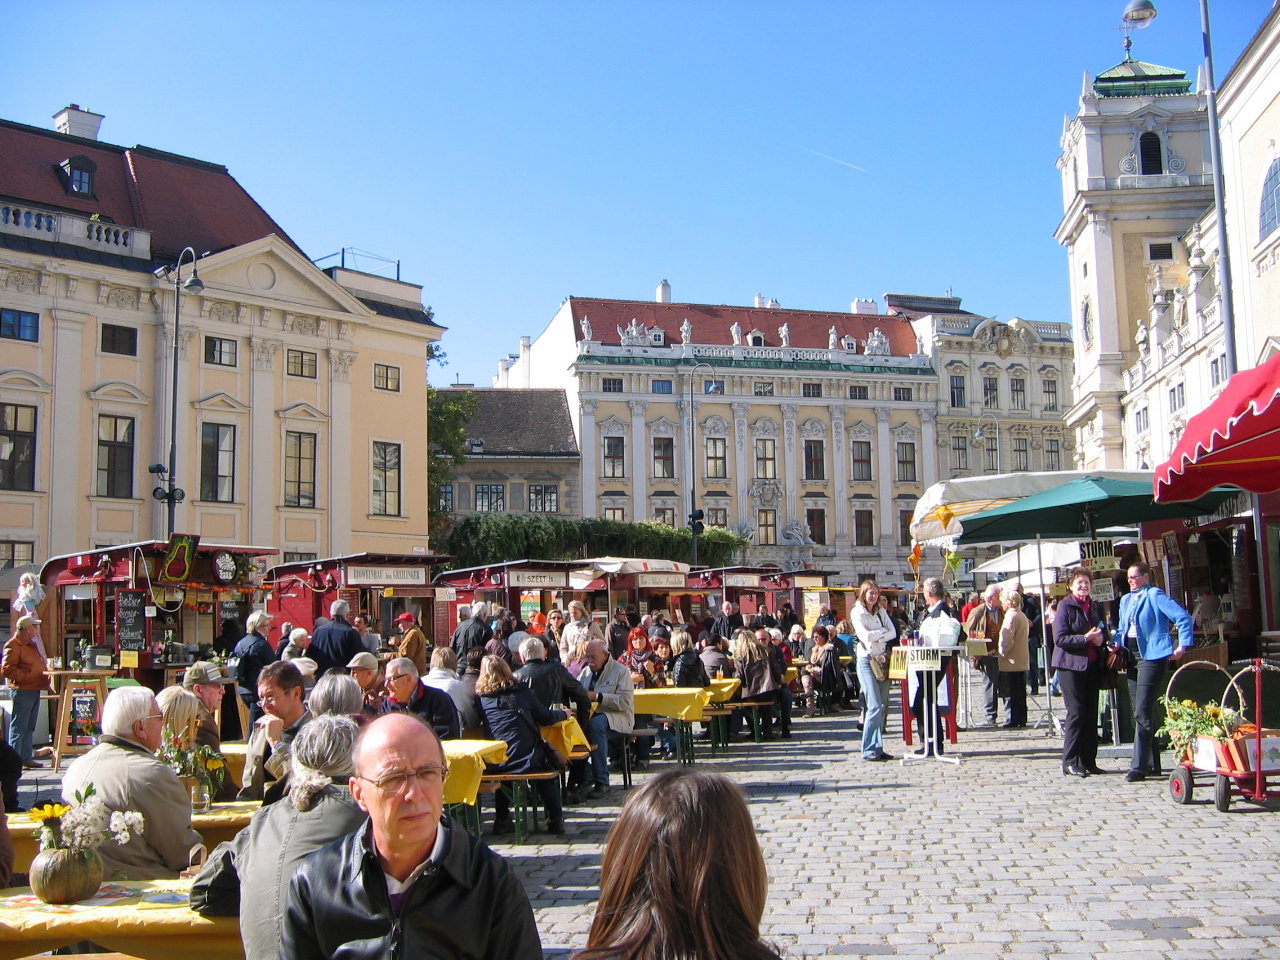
x: 394, y: 783
x: 392, y: 677
x: 1137, y: 576
x: 155, y: 716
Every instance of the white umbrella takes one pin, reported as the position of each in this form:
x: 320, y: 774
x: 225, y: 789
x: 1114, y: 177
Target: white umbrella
x: 1024, y: 558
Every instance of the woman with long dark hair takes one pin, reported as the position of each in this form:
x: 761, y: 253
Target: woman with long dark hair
x: 682, y: 875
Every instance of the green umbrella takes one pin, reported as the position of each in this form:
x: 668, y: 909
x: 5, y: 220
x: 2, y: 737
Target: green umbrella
x: 1080, y: 507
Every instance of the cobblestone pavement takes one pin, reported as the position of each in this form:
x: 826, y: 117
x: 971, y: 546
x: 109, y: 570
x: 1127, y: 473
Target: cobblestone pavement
x: 1002, y: 856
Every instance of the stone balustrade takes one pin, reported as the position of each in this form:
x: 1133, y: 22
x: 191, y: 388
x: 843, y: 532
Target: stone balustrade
x: 23, y: 220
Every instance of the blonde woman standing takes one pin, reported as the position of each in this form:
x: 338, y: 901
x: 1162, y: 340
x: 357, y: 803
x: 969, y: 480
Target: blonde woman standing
x: 875, y: 630
x: 1015, y: 656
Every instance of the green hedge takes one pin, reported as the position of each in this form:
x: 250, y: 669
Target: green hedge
x: 481, y: 538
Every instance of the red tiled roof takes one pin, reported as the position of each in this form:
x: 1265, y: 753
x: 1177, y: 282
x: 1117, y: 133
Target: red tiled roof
x: 180, y: 200
x: 711, y: 323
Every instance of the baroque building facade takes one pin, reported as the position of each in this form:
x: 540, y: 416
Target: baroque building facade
x: 301, y: 396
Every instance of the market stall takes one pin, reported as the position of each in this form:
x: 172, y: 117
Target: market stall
x: 755, y: 589
x: 380, y: 586
x: 527, y: 586
x: 649, y: 585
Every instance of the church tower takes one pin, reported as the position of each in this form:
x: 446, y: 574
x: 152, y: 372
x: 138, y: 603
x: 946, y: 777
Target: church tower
x: 1135, y: 175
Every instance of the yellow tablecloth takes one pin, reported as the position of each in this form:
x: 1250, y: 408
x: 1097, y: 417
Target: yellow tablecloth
x: 791, y: 674
x: 466, y: 766
x: 722, y: 690
x: 221, y: 823
x: 680, y: 703
x: 235, y: 754
x: 566, y: 735
x: 148, y: 919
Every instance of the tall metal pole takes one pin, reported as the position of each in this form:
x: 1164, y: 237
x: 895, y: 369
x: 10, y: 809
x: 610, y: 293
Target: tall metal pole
x: 1215, y: 157
x: 173, y: 404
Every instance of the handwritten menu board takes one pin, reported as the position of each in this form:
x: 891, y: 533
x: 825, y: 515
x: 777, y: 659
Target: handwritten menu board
x: 131, y: 621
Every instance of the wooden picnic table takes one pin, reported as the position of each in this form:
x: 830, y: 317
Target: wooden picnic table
x: 467, y: 758
x: 722, y: 690
x: 566, y: 736
x: 678, y: 703
x: 150, y: 919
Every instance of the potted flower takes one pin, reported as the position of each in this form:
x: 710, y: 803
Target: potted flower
x: 68, y: 869
x: 202, y: 769
x: 1201, y: 732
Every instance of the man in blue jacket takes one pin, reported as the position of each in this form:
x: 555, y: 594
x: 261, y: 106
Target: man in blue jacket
x: 1146, y: 613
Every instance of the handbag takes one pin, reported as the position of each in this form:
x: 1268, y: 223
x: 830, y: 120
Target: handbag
x: 1116, y: 663
x: 879, y: 667
x: 553, y: 753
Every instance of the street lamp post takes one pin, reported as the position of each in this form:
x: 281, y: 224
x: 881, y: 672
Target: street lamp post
x: 1137, y: 14
x: 171, y: 494
x: 695, y: 515
x: 980, y: 435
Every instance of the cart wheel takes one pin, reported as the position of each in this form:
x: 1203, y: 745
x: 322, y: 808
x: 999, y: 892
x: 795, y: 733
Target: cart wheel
x: 1180, y: 785
x: 1222, y: 793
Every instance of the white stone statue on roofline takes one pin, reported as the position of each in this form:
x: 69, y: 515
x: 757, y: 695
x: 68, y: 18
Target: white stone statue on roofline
x: 832, y: 338
x: 877, y: 344
x: 586, y: 328
x: 735, y: 331
x: 784, y: 334
x: 686, y: 331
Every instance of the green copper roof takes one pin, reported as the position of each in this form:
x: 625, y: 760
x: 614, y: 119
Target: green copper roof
x: 1133, y: 78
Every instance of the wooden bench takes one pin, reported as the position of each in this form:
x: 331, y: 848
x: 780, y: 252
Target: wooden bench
x: 716, y: 720
x: 629, y: 739
x: 517, y: 788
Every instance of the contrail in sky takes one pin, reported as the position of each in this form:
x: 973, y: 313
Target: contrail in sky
x: 824, y: 156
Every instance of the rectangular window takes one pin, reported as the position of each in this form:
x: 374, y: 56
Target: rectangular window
x: 544, y: 498
x: 766, y: 527
x: 17, y: 447
x: 766, y: 462
x: 714, y: 387
x: 217, y: 462
x: 1142, y: 419
x: 815, y: 460
x: 959, y: 391
x: 1177, y: 397
x: 863, y: 531
x: 717, y: 458
x: 300, y: 363
x: 299, y: 469
x: 491, y: 497
x: 1217, y: 371
x: 810, y: 389
x: 990, y: 391
x: 906, y: 463
x: 859, y: 393
x: 861, y: 461
x: 611, y: 384
x: 81, y: 181
x: 615, y: 466
x: 617, y: 514
x: 1021, y: 454
x: 115, y: 457
x: 902, y: 393
x: 665, y: 515
x: 446, y: 498
x: 220, y: 351
x: 816, y: 523
x: 904, y: 527
x: 660, y: 386
x: 763, y: 389
x: 121, y: 340
x: 386, y: 377
x: 664, y: 458
x: 1017, y: 393
x: 959, y: 452
x: 386, y: 480
x: 717, y: 516
x: 19, y: 325
x: 293, y: 556
x: 1053, y: 455
x: 992, y: 451
x: 16, y: 553
x: 1051, y: 396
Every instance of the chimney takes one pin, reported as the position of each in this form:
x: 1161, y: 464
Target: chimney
x: 759, y: 300
x: 664, y: 293
x: 773, y: 304
x: 526, y: 362
x: 76, y: 122
x: 863, y: 307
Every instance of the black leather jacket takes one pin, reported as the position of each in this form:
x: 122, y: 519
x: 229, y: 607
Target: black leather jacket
x: 552, y: 684
x: 469, y: 906
x: 688, y: 671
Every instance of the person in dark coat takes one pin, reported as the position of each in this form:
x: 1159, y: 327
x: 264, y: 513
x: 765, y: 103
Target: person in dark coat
x: 513, y: 714
x: 1079, y: 634
x: 687, y: 669
x: 787, y: 618
x: 549, y: 681
x: 618, y: 631
x: 252, y: 653
x: 729, y: 621
x: 337, y: 642
x: 473, y: 631
x: 408, y: 694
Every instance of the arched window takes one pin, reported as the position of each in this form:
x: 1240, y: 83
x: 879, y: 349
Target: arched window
x: 1270, y: 218
x: 1150, y: 153
x: 1086, y: 324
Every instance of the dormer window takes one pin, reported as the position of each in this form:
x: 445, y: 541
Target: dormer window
x: 657, y: 338
x: 76, y: 174
x: 849, y: 343
x: 755, y: 339
x: 477, y: 446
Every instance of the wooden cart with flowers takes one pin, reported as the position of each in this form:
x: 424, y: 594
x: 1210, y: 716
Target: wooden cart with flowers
x: 1214, y: 739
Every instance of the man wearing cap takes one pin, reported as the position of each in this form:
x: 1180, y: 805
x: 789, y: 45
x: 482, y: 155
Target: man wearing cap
x: 24, y: 667
x: 366, y: 672
x: 413, y: 643
x: 205, y: 680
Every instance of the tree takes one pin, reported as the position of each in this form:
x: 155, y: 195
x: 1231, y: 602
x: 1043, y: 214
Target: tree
x: 447, y: 416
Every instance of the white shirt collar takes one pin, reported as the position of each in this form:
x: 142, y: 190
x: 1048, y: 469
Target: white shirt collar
x: 395, y: 886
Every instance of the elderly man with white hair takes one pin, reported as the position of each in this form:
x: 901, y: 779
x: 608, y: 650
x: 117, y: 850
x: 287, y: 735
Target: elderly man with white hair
x: 334, y: 644
x: 251, y: 654
x: 443, y: 676
x: 473, y: 631
x: 408, y: 694
x: 550, y: 682
x: 127, y: 776
x: 609, y: 684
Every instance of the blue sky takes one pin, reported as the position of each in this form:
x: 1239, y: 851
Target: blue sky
x: 513, y: 154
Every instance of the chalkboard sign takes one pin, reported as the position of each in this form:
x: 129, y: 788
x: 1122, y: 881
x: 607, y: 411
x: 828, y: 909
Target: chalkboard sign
x: 228, y: 610
x: 131, y: 621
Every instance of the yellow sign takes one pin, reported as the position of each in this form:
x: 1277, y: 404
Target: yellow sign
x: 898, y: 663
x: 1098, y: 554
x: 128, y: 658
x: 813, y: 601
